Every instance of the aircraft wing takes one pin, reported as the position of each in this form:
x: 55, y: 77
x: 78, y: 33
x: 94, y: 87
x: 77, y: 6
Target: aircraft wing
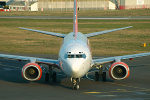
x: 31, y: 59
x: 45, y: 32
x: 118, y: 58
x: 103, y: 32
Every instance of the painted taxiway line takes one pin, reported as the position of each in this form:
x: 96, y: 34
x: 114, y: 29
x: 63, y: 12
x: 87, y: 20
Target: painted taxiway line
x: 119, y: 91
x: 127, y: 86
x: 7, y: 69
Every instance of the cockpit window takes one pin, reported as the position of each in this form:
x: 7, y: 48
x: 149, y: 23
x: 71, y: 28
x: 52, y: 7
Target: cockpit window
x: 79, y: 56
x: 76, y: 56
x: 70, y: 56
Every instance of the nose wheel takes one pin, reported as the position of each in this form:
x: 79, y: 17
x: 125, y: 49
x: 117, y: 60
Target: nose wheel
x: 75, y: 82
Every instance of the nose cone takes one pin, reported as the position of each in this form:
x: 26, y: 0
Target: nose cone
x: 75, y: 68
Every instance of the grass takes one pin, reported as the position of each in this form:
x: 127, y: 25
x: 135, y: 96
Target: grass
x: 89, y: 13
x: 121, y: 42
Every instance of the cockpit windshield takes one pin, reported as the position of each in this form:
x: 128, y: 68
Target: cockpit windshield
x: 75, y: 56
x: 80, y: 55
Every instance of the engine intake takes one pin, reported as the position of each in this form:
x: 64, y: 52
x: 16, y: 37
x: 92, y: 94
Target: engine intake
x: 119, y: 71
x: 32, y: 72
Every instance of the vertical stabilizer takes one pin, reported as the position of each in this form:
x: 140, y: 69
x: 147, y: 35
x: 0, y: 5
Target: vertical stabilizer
x: 75, y: 19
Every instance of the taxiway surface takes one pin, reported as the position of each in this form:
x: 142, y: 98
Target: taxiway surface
x: 14, y: 87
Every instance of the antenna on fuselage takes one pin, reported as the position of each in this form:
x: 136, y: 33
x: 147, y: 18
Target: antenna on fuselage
x: 75, y: 19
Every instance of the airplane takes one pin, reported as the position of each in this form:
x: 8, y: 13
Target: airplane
x: 75, y: 58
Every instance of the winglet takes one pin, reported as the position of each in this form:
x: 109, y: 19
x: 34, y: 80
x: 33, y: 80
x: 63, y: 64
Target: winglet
x: 75, y: 19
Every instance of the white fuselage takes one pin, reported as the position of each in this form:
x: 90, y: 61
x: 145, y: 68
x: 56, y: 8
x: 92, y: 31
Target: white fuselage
x: 75, y: 58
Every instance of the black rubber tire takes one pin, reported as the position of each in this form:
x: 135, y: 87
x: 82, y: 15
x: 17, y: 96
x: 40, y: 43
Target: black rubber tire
x: 96, y: 76
x: 77, y: 87
x: 54, y: 77
x: 104, y: 77
x: 46, y: 77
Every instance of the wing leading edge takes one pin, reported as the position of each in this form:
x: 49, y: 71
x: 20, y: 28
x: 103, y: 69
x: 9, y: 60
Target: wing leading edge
x: 119, y: 58
x: 45, y: 32
x: 107, y: 31
x: 31, y: 59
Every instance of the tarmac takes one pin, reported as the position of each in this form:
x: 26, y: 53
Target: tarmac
x: 14, y: 87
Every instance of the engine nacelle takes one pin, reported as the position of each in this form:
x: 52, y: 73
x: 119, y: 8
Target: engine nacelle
x: 32, y: 72
x: 119, y: 71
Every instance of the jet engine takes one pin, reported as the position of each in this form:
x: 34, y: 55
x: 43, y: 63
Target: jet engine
x: 119, y: 71
x: 32, y: 72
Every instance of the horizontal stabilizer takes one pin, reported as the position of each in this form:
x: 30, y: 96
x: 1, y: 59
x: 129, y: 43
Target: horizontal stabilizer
x: 45, y: 32
x: 103, y: 32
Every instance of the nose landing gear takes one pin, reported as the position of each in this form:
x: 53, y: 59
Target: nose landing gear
x: 75, y: 82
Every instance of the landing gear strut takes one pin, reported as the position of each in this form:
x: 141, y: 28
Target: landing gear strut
x: 50, y: 74
x: 100, y: 74
x: 75, y: 82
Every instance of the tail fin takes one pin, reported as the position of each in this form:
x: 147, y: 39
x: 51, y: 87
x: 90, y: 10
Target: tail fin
x: 75, y: 19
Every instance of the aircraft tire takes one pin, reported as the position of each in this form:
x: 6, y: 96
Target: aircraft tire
x: 76, y: 87
x: 54, y: 77
x: 46, y: 77
x: 96, y: 76
x: 104, y: 77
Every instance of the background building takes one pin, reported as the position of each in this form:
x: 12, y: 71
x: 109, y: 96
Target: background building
x: 134, y: 4
x: 43, y: 5
x: 93, y: 4
x: 24, y: 6
x: 68, y: 4
x: 3, y: 3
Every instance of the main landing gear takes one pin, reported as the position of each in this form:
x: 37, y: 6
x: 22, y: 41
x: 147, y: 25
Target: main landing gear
x: 49, y: 75
x: 100, y: 74
x: 75, y: 82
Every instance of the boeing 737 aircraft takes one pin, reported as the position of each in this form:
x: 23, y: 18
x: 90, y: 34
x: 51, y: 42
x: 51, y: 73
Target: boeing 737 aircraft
x: 75, y: 58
